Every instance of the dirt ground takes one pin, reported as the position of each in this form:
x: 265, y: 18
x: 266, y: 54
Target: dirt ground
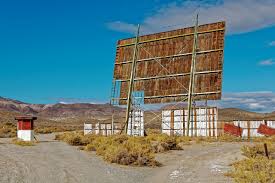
x: 53, y: 161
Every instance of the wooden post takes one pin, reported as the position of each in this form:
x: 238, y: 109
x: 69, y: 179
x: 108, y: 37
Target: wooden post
x: 209, y: 122
x: 131, y: 84
x: 172, y: 123
x: 217, y: 121
x: 248, y: 130
x: 192, y: 75
x: 266, y: 150
x: 213, y: 122
x: 183, y: 122
x: 195, y: 121
x: 112, y: 132
x: 99, y: 129
x: 106, y: 130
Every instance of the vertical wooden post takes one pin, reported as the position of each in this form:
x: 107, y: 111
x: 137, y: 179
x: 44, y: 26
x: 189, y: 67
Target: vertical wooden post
x: 192, y: 75
x: 209, y: 122
x: 206, y: 117
x: 217, y: 122
x: 99, y: 129
x: 266, y: 150
x: 131, y: 84
x: 213, y: 122
x: 183, y: 122
x: 106, y: 130
x: 112, y: 132
x: 172, y: 126
x: 195, y: 121
x: 248, y: 130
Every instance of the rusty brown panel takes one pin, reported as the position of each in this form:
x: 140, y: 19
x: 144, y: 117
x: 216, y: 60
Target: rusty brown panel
x: 210, y: 61
x: 206, y: 27
x: 207, y: 83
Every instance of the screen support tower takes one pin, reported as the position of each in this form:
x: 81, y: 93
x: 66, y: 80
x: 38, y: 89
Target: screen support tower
x: 131, y: 82
x: 192, y: 76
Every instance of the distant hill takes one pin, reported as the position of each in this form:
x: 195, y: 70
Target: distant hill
x: 83, y: 112
x: 58, y: 110
x: 239, y: 114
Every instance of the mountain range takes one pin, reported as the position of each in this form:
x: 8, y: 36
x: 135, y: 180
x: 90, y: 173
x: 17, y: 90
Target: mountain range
x: 81, y: 112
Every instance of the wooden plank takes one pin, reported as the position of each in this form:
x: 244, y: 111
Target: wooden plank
x: 209, y: 122
x: 248, y: 130
x: 213, y: 122
x: 183, y: 123
x: 195, y: 122
x: 172, y: 131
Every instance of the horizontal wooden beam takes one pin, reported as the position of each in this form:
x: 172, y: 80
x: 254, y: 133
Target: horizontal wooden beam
x: 171, y: 37
x: 173, y: 95
x: 170, y: 75
x: 170, y: 56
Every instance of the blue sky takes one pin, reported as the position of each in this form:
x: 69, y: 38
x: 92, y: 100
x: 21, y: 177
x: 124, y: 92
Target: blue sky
x: 64, y: 50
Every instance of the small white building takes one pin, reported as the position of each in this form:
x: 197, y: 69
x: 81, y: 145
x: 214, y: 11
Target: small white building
x: 25, y: 127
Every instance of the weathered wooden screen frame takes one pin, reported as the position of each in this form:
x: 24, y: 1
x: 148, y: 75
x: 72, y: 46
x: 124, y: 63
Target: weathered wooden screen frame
x: 164, y: 61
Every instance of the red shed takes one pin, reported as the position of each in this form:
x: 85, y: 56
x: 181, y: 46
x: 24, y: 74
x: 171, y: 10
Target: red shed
x: 25, y: 125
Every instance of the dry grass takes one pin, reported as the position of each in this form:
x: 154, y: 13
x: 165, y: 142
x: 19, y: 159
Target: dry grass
x: 22, y: 143
x: 7, y: 130
x: 52, y: 129
x: 256, y: 167
x: 137, y: 151
x: 125, y: 150
x: 254, y: 170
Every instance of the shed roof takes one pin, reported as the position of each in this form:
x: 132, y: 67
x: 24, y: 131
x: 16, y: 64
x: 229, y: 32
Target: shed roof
x: 25, y: 117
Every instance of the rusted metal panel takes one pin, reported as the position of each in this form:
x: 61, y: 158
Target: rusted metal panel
x: 266, y: 130
x: 233, y: 130
x: 164, y: 63
x: 251, y: 127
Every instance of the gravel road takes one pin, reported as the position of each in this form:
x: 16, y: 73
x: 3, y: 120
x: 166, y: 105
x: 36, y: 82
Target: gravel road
x: 52, y: 161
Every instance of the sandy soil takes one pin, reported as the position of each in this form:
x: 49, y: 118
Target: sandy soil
x: 53, y: 161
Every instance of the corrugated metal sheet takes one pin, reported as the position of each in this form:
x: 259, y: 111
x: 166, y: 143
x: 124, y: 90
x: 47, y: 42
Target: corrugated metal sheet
x: 203, y: 122
x: 172, y: 50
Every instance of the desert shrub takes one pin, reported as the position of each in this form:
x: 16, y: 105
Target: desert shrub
x: 134, y: 151
x: 52, y: 129
x: 22, y: 143
x: 7, y: 130
x: 255, y: 167
x: 153, y: 131
x: 229, y: 138
x: 123, y: 149
x: 162, y: 142
x: 253, y: 170
x: 270, y: 139
x: 257, y: 150
x: 73, y: 138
